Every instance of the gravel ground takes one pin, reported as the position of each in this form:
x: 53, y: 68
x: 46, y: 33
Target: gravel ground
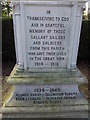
x: 85, y: 69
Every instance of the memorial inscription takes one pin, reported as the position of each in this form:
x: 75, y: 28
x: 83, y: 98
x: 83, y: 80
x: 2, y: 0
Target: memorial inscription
x: 47, y: 36
x: 46, y: 81
x: 46, y: 95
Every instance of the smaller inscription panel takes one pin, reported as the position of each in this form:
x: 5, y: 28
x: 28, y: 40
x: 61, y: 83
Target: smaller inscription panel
x: 46, y: 95
x: 47, y: 35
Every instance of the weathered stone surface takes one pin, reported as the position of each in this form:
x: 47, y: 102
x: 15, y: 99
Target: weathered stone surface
x: 46, y: 112
x: 67, y: 108
x: 46, y: 82
x: 60, y: 77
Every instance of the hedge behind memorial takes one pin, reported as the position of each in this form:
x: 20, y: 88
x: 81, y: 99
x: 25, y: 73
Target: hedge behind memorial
x: 8, y: 48
x: 84, y: 41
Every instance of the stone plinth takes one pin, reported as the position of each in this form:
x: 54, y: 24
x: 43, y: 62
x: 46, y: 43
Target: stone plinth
x: 55, y: 94
x: 46, y: 82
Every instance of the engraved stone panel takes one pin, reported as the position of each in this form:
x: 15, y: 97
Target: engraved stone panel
x: 47, y: 35
x: 46, y: 95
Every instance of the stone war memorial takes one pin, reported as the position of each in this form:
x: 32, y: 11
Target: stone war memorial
x: 46, y: 82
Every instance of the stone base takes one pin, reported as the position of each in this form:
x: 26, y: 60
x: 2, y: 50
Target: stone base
x: 46, y: 95
x: 39, y: 112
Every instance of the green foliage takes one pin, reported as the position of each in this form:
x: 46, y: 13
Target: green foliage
x: 8, y: 48
x: 6, y: 9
